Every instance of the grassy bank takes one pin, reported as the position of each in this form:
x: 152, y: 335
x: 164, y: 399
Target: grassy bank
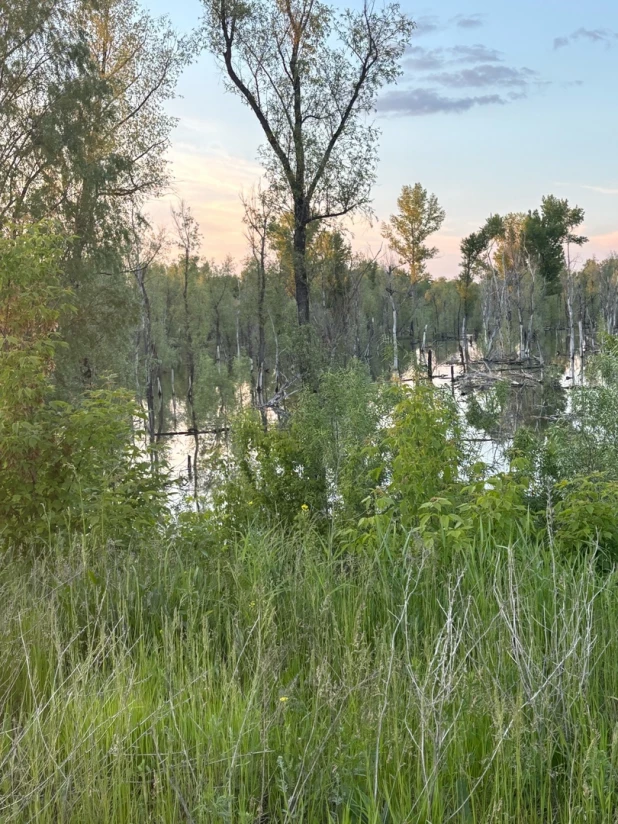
x: 277, y: 682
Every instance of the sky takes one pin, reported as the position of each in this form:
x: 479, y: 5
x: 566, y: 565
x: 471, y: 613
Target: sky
x: 499, y: 104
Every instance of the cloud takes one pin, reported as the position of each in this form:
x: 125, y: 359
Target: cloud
x: 475, y: 54
x: 484, y: 75
x: 471, y: 21
x: 604, y: 190
x: 418, y: 102
x: 456, y: 67
x: 421, y: 59
x: 430, y: 23
x: 605, y: 36
x: 427, y: 25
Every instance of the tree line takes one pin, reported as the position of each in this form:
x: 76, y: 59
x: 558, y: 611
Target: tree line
x: 83, y: 92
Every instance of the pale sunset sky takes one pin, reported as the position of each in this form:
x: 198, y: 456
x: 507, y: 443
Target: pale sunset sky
x: 500, y: 103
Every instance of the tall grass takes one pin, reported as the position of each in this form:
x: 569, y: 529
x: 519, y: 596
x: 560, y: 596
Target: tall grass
x: 279, y: 681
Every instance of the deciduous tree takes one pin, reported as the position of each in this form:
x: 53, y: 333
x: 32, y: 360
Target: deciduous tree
x: 310, y: 76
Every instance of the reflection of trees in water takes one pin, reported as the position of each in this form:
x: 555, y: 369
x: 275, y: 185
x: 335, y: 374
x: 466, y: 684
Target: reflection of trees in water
x: 530, y: 394
x: 500, y: 410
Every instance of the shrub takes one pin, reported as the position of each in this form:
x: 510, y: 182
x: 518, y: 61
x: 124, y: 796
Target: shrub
x: 586, y: 515
x: 313, y: 464
x: 61, y: 463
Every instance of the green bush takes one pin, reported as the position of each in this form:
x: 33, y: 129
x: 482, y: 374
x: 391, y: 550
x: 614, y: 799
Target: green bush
x: 62, y: 465
x: 421, y: 453
x: 586, y: 515
x: 311, y: 466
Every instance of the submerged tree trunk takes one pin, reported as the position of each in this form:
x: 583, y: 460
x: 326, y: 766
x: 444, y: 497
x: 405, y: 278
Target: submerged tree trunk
x: 571, y: 320
x: 190, y: 355
x: 395, y: 344
x: 259, y: 390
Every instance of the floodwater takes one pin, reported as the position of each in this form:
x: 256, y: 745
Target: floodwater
x: 533, y: 394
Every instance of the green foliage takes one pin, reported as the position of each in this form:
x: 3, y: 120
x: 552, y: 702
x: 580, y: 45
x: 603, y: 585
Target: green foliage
x: 490, y: 511
x: 420, y: 215
x: 586, y: 515
x: 32, y: 301
x: 423, y: 451
x: 585, y: 440
x: 314, y: 465
x: 60, y: 463
x: 77, y: 466
x: 548, y: 230
x: 275, y: 476
x: 485, y: 410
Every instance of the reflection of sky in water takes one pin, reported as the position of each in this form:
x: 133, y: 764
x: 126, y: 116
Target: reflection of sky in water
x: 532, y: 405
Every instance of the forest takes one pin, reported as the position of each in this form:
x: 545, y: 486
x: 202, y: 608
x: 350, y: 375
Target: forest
x: 310, y: 536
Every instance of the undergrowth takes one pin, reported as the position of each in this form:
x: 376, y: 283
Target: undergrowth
x: 282, y: 679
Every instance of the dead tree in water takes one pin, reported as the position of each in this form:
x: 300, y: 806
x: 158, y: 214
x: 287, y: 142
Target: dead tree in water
x: 188, y: 238
x: 258, y: 217
x: 144, y: 251
x: 390, y: 291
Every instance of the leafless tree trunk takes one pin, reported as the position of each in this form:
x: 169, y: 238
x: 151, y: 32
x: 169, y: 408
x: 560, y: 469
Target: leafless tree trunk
x: 188, y: 235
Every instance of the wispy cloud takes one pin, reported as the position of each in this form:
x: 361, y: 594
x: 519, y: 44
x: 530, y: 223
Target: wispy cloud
x: 422, y: 59
x: 470, y: 21
x: 604, y: 190
x: 432, y: 71
x: 418, y: 102
x: 430, y: 23
x: 427, y: 24
x: 605, y: 37
x: 475, y: 54
x: 484, y: 75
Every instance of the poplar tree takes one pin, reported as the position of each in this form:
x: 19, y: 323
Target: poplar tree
x: 310, y: 75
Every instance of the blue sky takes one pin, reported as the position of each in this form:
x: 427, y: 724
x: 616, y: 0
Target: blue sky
x: 500, y: 103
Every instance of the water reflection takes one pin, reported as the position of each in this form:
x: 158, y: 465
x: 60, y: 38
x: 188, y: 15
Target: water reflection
x: 496, y: 398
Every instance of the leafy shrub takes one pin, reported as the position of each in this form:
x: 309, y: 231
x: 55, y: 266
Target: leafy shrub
x: 586, y: 515
x: 423, y: 450
x: 485, y: 410
x: 584, y: 441
x: 314, y: 464
x: 493, y: 509
x: 61, y: 464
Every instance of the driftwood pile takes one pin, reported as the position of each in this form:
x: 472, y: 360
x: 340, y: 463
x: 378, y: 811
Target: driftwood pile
x: 484, y: 374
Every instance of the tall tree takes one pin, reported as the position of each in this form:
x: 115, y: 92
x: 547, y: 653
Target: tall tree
x: 420, y: 216
x: 188, y: 239
x: 310, y: 76
x: 83, y: 139
x: 258, y: 218
x: 472, y: 247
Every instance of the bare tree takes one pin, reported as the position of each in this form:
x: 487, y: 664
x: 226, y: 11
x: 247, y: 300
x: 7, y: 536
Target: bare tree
x: 310, y: 76
x: 144, y: 249
x: 258, y: 217
x: 188, y: 239
x: 608, y: 290
x: 391, y: 292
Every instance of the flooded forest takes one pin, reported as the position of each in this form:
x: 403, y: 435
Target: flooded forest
x: 309, y: 535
